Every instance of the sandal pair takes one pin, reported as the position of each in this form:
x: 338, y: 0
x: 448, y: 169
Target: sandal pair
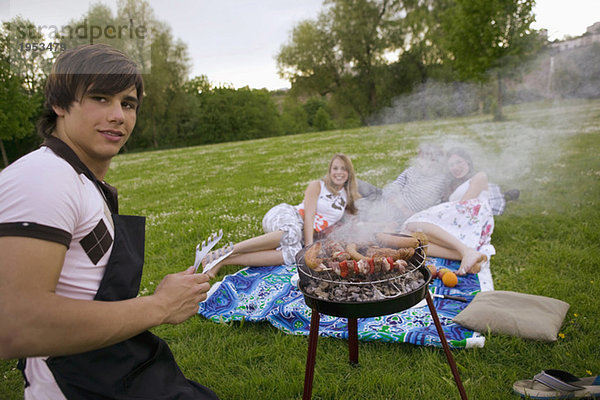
x: 557, y: 384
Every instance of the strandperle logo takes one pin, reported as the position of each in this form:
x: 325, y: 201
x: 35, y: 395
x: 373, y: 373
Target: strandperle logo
x: 83, y: 31
x: 29, y: 42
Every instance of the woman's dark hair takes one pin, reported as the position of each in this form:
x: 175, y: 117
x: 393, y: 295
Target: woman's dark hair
x: 97, y: 68
x: 453, y: 182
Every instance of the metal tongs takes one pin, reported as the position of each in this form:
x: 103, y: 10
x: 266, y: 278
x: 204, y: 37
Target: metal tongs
x: 203, y: 248
x: 218, y: 256
x: 423, y: 301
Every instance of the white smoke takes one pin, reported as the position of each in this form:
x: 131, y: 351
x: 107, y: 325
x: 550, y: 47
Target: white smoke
x: 508, y: 151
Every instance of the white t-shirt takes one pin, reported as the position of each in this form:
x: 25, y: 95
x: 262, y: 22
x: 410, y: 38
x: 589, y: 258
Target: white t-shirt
x: 330, y: 207
x: 42, y: 196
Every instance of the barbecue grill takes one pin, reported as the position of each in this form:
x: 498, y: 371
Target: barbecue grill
x: 376, y: 295
x: 379, y: 294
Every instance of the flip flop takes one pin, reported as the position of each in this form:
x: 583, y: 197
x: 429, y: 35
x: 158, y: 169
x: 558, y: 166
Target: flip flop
x: 557, y: 384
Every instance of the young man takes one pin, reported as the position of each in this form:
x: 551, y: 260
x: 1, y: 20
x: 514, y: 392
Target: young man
x: 421, y: 185
x: 71, y: 265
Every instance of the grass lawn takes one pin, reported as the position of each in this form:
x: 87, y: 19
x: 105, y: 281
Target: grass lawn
x: 547, y: 243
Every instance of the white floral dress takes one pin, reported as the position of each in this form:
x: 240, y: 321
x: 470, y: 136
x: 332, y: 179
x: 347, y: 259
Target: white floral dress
x: 471, y: 221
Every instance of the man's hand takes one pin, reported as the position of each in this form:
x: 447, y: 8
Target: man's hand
x: 35, y: 320
x: 180, y: 293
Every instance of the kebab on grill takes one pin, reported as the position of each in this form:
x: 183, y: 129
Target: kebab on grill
x: 368, y: 266
x: 346, y: 260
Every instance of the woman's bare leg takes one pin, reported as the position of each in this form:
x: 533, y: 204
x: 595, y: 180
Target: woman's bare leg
x: 268, y: 241
x: 443, y: 244
x: 435, y: 250
x: 255, y: 259
x: 256, y: 251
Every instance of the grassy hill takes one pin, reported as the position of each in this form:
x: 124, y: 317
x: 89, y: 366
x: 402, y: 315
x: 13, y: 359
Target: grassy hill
x: 547, y: 244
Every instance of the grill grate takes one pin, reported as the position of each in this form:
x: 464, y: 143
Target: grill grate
x: 327, y: 285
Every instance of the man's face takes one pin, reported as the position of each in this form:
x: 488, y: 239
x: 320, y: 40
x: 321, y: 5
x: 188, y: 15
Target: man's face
x: 428, y: 160
x: 97, y: 126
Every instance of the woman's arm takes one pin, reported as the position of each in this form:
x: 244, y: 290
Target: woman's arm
x: 479, y: 183
x: 311, y: 195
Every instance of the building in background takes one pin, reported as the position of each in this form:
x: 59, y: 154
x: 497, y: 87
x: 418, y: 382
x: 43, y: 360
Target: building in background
x: 591, y: 35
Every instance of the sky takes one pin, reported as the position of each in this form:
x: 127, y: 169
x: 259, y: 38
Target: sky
x: 235, y: 42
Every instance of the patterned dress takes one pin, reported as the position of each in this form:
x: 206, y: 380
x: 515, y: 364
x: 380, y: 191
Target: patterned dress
x: 470, y: 221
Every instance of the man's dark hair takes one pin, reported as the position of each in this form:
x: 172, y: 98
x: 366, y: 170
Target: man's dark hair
x: 90, y: 68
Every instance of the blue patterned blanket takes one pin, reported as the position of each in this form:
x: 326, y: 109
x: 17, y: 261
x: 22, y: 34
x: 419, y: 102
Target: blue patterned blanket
x: 267, y: 294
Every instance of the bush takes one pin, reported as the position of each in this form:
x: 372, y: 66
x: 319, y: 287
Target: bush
x: 227, y: 114
x: 322, y: 120
x: 312, y: 106
x: 294, y: 118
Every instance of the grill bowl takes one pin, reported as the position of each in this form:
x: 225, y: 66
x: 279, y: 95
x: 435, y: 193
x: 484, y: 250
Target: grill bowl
x: 364, y: 309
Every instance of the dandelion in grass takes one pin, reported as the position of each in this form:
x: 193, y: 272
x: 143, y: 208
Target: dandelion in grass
x: 374, y: 172
x: 561, y: 335
x: 238, y: 218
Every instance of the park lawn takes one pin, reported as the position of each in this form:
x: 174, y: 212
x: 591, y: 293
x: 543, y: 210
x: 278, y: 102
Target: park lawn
x: 547, y: 243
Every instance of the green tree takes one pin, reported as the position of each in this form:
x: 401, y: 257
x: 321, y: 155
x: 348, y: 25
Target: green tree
x: 294, y: 118
x: 29, y: 58
x: 162, y: 59
x: 482, y: 37
x: 365, y: 31
x: 311, y: 106
x: 163, y: 87
x: 341, y: 52
x: 97, y: 25
x: 15, y: 109
x: 226, y: 114
x: 322, y: 121
x: 166, y: 63
x: 130, y: 30
x: 311, y: 61
x: 22, y: 76
x: 197, y: 85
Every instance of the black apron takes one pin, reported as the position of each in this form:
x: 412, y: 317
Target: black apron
x: 142, y: 367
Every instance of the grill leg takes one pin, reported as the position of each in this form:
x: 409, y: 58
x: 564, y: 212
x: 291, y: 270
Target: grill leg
x: 438, y: 326
x: 353, y: 340
x: 312, y: 354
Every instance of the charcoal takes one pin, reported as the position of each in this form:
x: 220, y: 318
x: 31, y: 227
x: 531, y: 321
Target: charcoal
x: 333, y: 288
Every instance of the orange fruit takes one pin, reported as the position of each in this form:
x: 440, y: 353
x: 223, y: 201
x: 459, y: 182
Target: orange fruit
x: 450, y: 279
x: 433, y: 270
x: 442, y: 271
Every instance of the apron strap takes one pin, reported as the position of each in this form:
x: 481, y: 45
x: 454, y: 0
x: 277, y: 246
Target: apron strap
x: 108, y: 215
x: 21, y: 367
